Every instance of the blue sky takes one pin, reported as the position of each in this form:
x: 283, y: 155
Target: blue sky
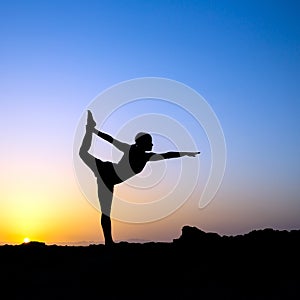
x: 241, y: 56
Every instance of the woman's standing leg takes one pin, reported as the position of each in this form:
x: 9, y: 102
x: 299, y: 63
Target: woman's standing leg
x: 105, y: 195
x: 106, y: 227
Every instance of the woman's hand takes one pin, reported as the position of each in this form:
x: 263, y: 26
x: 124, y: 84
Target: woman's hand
x: 191, y: 154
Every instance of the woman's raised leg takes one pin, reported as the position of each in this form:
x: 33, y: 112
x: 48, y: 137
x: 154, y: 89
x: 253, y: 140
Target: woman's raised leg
x: 84, y: 154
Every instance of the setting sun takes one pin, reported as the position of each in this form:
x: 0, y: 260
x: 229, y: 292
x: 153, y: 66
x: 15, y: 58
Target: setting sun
x: 26, y: 240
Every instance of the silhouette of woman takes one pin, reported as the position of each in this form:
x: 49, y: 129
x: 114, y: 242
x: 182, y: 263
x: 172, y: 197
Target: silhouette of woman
x: 109, y: 174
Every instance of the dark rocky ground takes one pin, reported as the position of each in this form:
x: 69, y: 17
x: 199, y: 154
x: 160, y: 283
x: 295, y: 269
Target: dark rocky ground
x: 262, y: 264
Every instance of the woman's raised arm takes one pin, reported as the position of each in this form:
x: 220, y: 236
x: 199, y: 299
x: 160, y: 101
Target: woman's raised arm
x: 118, y: 144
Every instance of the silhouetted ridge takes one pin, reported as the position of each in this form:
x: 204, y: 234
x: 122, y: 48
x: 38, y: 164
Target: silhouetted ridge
x: 34, y: 244
x: 262, y: 264
x: 192, y: 234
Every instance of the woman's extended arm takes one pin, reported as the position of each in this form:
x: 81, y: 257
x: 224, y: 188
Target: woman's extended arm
x: 167, y: 155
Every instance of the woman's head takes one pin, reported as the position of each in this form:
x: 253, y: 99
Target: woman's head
x: 144, y: 141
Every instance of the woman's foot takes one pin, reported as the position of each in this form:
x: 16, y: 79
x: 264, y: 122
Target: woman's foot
x: 90, y: 120
x: 109, y: 243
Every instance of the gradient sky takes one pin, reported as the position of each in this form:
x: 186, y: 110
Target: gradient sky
x: 243, y: 57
